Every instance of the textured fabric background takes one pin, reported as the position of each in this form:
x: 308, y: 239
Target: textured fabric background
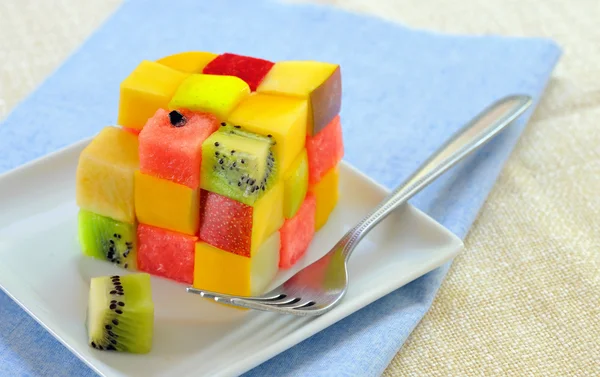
x: 523, y: 299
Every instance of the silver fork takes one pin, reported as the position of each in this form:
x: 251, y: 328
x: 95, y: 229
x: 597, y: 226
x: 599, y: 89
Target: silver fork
x: 297, y: 297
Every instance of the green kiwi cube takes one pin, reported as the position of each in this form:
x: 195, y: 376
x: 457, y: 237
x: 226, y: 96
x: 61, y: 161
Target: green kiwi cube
x: 120, y: 314
x: 107, y: 239
x: 237, y: 164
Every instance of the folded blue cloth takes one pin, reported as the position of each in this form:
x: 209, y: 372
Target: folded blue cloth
x: 404, y: 93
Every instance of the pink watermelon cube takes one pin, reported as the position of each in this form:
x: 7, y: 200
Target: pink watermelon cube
x: 165, y: 253
x: 325, y: 150
x: 225, y: 223
x: 297, y: 233
x: 170, y: 145
x: 251, y: 70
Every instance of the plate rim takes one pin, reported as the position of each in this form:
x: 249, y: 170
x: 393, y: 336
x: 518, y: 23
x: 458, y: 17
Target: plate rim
x: 266, y: 353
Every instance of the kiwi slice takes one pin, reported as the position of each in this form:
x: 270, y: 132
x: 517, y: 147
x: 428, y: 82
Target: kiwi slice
x: 120, y: 315
x: 107, y: 239
x: 238, y: 164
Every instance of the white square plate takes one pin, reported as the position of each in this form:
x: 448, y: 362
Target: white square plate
x: 42, y: 270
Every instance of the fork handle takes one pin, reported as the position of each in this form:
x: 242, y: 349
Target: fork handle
x: 468, y: 139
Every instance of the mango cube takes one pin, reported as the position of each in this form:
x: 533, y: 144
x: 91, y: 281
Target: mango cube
x: 282, y: 118
x: 210, y: 93
x: 221, y: 271
x: 148, y: 88
x: 104, y: 178
x: 166, y: 204
x: 188, y: 62
x: 327, y: 194
x: 237, y: 227
x: 320, y: 83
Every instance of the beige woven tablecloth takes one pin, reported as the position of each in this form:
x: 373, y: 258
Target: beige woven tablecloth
x: 524, y: 297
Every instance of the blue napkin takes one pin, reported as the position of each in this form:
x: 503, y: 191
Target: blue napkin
x: 404, y: 92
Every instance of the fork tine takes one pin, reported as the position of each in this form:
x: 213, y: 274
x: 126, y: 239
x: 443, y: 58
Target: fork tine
x: 270, y: 296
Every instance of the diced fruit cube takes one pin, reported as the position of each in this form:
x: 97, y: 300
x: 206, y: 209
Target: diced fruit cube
x: 236, y: 227
x: 320, y: 83
x: 238, y: 164
x: 165, y: 253
x: 166, y: 204
x: 327, y: 194
x: 284, y: 118
x: 297, y: 233
x: 210, y: 93
x: 120, y: 313
x: 221, y: 271
x: 106, y: 239
x: 251, y: 70
x: 189, y: 62
x: 325, y: 150
x: 295, y: 185
x: 148, y: 88
x: 104, y: 182
x: 170, y: 145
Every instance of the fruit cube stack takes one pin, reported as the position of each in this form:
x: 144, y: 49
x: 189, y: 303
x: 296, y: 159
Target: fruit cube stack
x: 219, y: 173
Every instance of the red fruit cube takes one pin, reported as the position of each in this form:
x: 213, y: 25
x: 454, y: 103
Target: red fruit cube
x: 165, y: 253
x: 297, y: 233
x: 251, y: 70
x: 170, y: 145
x: 225, y: 223
x: 325, y: 150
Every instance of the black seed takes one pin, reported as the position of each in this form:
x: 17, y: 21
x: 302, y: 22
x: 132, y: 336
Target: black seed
x: 269, y: 135
x: 112, y: 248
x: 223, y: 124
x: 242, y: 161
x: 217, y: 154
x: 115, y: 277
x: 113, y: 301
x: 239, y: 183
x: 234, y: 164
x: 125, y: 265
x: 221, y: 161
x: 112, y: 334
x: 101, y: 348
x: 108, y: 327
x: 113, y: 342
x: 111, y: 242
x: 216, y: 143
x: 115, y: 235
x: 262, y: 187
x: 120, y: 293
x: 121, y: 303
x: 113, y: 292
x: 118, y: 262
x: 113, y: 306
x: 93, y: 344
x: 237, y: 126
x: 177, y: 119
x: 115, y: 322
x: 118, y: 311
x: 255, y: 187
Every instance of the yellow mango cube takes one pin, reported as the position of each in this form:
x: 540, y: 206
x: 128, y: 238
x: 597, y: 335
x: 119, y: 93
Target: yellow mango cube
x: 149, y: 87
x: 221, y: 271
x: 189, y: 61
x: 283, y: 118
x: 326, y: 192
x: 165, y: 204
x: 105, y: 175
x: 210, y: 93
x: 320, y: 83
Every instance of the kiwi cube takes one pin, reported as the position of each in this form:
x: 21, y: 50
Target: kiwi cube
x: 107, y: 239
x: 120, y: 314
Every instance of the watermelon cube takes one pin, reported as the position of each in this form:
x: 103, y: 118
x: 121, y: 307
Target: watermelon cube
x: 237, y: 227
x: 297, y: 233
x: 170, y: 145
x: 325, y: 150
x: 320, y: 83
x: 251, y: 70
x: 165, y: 253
